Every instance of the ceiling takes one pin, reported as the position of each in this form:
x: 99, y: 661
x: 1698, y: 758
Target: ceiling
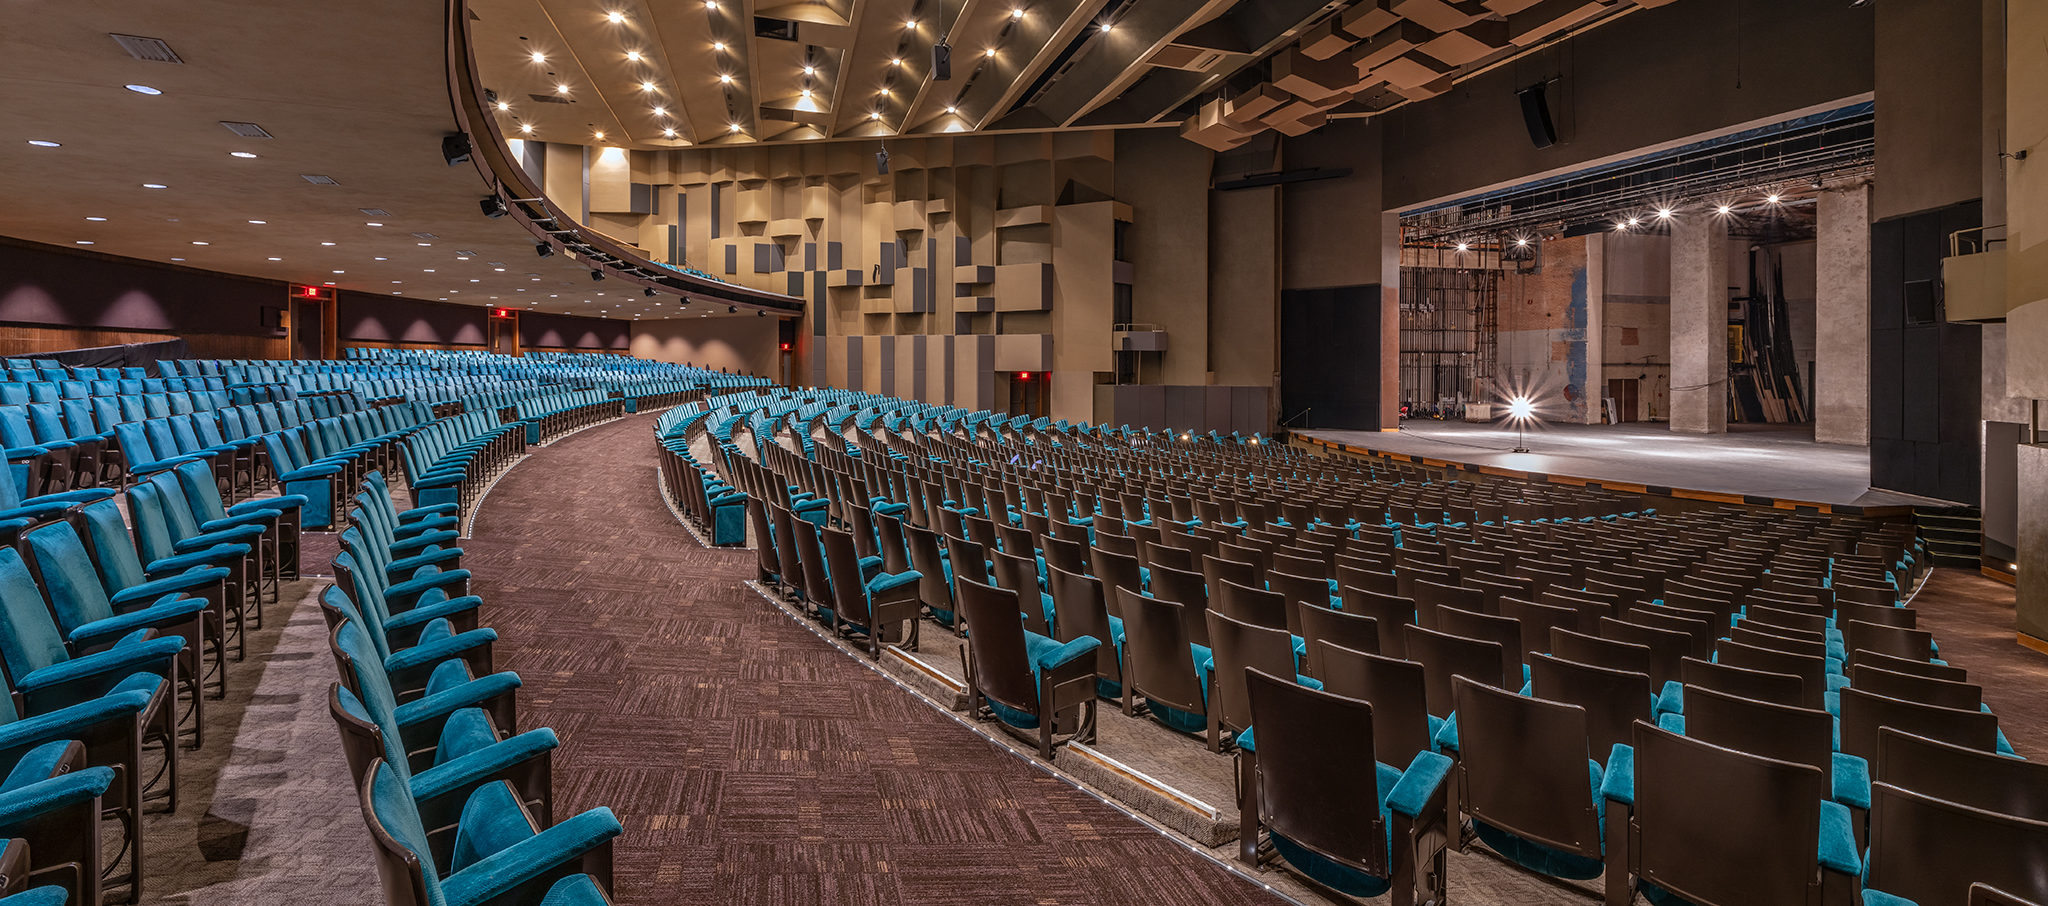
x: 651, y: 74
x: 356, y: 92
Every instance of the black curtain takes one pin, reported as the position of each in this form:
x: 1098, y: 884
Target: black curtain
x: 1330, y: 357
x: 127, y: 355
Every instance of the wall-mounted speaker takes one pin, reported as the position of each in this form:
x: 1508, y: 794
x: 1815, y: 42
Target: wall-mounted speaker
x: 271, y: 318
x: 1536, y: 114
x: 942, y: 61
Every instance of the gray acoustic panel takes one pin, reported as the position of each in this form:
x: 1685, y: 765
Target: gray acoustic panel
x: 732, y: 258
x: 1216, y: 409
x: 642, y: 199
x: 885, y: 361
x: 963, y: 251
x: 810, y: 256
x: 853, y: 363
x: 768, y: 258
x: 1185, y: 407
x: 1139, y: 405
x: 835, y: 252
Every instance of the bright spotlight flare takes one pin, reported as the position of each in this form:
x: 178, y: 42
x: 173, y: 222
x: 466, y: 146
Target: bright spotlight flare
x: 1521, y: 410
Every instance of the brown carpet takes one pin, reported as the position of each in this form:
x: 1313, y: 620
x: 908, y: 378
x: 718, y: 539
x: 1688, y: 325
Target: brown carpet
x: 1972, y: 620
x: 749, y: 760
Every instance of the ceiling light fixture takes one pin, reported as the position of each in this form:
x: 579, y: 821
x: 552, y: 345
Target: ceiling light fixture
x: 539, y: 57
x: 896, y: 61
x: 1724, y: 210
x: 1464, y: 247
x: 910, y: 24
x: 599, y: 135
x: 952, y: 109
x: 45, y: 143
x: 668, y: 133
x: 1106, y: 26
x: 1772, y: 198
x: 256, y: 222
x: 646, y: 86
x: 718, y: 46
x: 633, y: 55
x: 154, y: 185
x: 1017, y: 13
x: 502, y: 106
x: 660, y: 111
x: 725, y: 77
x: 84, y: 242
x: 245, y: 155
x: 875, y: 115
x: 1664, y: 213
x: 281, y: 259
x: 526, y: 127
x: 615, y: 17
x: 198, y: 242
x: 735, y: 128
x: 97, y: 219
x: 327, y: 243
x: 991, y: 52
x: 810, y: 70
x: 144, y: 89
x: 561, y: 89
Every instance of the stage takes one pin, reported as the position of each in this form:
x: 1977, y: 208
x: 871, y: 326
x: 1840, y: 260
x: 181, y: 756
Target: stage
x: 1767, y: 465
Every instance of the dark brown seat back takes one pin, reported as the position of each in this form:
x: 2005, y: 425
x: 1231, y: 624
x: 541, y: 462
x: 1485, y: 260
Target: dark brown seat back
x: 1880, y: 614
x: 1157, y: 660
x: 849, y: 600
x: 995, y: 641
x: 1609, y: 653
x: 1239, y: 646
x: 1398, y: 690
x: 1080, y: 610
x: 1343, y: 628
x: 1929, y: 851
x: 1217, y: 570
x: 1667, y: 647
x: 1391, y: 611
x: 1444, y: 656
x: 1523, y: 761
x: 1812, y: 671
x: 1378, y: 581
x: 1116, y: 543
x: 1537, y: 620
x: 764, y: 546
x: 1717, y: 825
x: 1064, y: 553
x: 1116, y: 571
x: 1020, y: 574
x: 1961, y: 774
x: 1503, y: 631
x: 1761, y: 685
x: 1310, y: 789
x: 1863, y: 713
x: 1612, y: 699
x: 1295, y: 587
x: 1433, y: 596
x: 895, y: 551
x: 1256, y: 606
x: 1926, y: 690
x: 1894, y: 641
x: 790, y: 567
x: 1188, y: 590
x: 817, y: 584
x: 968, y: 559
x: 1907, y: 665
x: 1783, y: 732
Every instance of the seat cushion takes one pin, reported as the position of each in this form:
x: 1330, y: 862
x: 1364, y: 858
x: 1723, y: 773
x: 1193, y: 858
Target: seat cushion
x: 492, y: 821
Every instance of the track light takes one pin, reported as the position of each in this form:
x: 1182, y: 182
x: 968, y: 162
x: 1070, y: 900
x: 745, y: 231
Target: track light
x: 758, y: 313
x: 882, y: 162
x: 596, y: 276
x: 647, y: 291
x: 455, y: 147
x: 493, y: 207
x: 543, y: 250
x: 732, y: 309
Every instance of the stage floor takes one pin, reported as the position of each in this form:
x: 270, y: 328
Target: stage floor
x: 1765, y: 463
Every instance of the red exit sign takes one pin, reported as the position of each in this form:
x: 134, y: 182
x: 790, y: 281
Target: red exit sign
x: 501, y: 313
x: 319, y: 293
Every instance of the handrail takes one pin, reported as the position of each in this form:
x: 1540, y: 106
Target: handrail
x: 528, y: 203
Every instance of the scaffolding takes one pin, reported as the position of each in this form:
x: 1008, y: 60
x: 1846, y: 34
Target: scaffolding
x: 1449, y: 332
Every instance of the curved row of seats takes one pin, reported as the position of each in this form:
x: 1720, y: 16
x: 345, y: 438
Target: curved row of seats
x: 1585, y: 686
x: 458, y: 801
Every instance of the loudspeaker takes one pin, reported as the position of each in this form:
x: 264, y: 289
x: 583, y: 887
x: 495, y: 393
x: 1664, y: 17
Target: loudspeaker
x: 455, y: 148
x: 882, y: 163
x: 1536, y: 115
x: 272, y: 319
x: 942, y: 61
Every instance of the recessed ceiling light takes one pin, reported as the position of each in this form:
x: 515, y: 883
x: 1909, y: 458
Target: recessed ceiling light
x: 910, y: 24
x: 476, y: 280
x: 810, y: 70
x: 245, y: 155
x: 807, y: 92
x: 197, y: 242
x: 711, y: 5
x: 1723, y: 209
x: 1017, y: 13
x: 725, y: 77
x: 539, y: 57
x: 430, y: 270
x: 504, y: 106
x: 144, y: 89
x: 499, y: 269
x: 177, y: 259
x: 372, y: 223
x: 84, y: 242
x: 660, y: 111
x: 1772, y: 198
x: 633, y: 55
x: 561, y: 89
x: 462, y: 257
x: 259, y: 222
x: 328, y: 283
x: 718, y: 46
x: 327, y: 243
x: 97, y: 219
x: 341, y: 272
x: 154, y: 185
x: 615, y: 17
x: 424, y: 244
x: 735, y: 127
x: 598, y: 135
x: 875, y: 115
x: 526, y: 127
x: 991, y: 51
x: 380, y: 258
x: 394, y: 292
x: 952, y: 109
x: 1107, y: 26
x: 668, y: 133
x: 277, y: 259
x: 45, y: 143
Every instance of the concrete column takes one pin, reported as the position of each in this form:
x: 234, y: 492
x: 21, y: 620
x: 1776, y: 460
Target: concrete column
x: 1699, y: 324
x: 1390, y: 321
x: 1841, y: 357
x: 1593, y: 383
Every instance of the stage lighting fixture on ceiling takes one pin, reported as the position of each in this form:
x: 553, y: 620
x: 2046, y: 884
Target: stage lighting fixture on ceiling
x: 647, y: 291
x: 882, y: 162
x: 596, y: 276
x: 543, y: 249
x: 942, y: 61
x: 732, y: 309
x: 493, y: 207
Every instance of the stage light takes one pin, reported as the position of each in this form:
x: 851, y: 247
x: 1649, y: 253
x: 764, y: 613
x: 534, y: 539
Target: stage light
x: 1772, y: 198
x: 1017, y: 13
x: 539, y: 57
x: 647, y: 291
x: 1521, y: 407
x: 1522, y: 243
x: 1724, y: 210
x: 1107, y: 26
x: 1663, y: 213
x: 1464, y: 247
x: 596, y: 276
x: 732, y: 309
x: 1255, y: 441
x: 1633, y: 221
x: 493, y: 207
x: 543, y: 250
x: 1521, y: 410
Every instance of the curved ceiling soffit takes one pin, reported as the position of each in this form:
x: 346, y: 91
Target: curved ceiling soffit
x: 549, y: 223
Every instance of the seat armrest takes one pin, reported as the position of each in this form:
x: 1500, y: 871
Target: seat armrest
x: 1420, y: 783
x: 533, y: 859
x: 1618, y: 784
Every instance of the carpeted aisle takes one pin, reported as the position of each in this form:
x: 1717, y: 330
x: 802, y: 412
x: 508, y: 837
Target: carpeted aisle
x: 750, y: 761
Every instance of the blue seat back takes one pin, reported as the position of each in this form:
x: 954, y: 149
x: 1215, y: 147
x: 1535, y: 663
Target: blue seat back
x: 68, y: 575
x: 113, y: 548
x: 29, y: 640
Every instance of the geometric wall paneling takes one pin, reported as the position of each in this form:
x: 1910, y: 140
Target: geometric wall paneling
x: 1024, y: 287
x: 1440, y: 15
x: 1549, y: 18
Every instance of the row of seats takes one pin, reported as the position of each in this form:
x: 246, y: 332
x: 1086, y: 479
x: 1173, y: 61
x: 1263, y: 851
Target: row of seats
x: 457, y: 799
x: 1486, y: 650
x: 114, y: 632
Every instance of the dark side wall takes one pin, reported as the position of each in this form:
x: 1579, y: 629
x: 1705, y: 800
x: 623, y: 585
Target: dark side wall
x: 362, y: 319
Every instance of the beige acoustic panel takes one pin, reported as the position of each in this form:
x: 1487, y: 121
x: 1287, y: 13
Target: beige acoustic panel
x: 817, y: 202
x: 1305, y: 125
x: 974, y: 304
x: 1023, y: 352
x: 611, y: 181
x: 974, y: 383
x: 1440, y: 15
x: 1249, y: 106
x: 1367, y: 18
x: 1325, y: 39
x: 1292, y: 111
x: 845, y: 277
x: 1469, y: 44
x: 752, y: 204
x: 1029, y: 215
x: 974, y: 274
x: 1209, y: 128
x: 1547, y: 19
x: 1511, y: 7
x: 1426, y: 90
x: 786, y: 229
x: 910, y: 216
x: 1390, y: 43
x: 1412, y: 71
x: 1024, y: 287
x: 1311, y: 79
